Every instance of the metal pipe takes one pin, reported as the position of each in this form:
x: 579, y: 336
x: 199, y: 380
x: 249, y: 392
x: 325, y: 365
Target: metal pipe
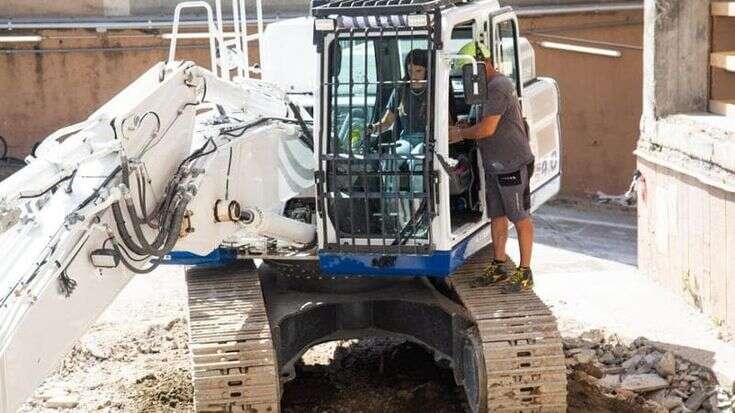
x: 259, y: 19
x: 149, y: 23
x: 581, y: 49
x: 210, y: 24
x: 102, y: 25
x: 238, y: 34
x: 97, y: 49
x: 244, y: 40
x: 582, y: 40
x: 221, y: 46
x: 581, y: 8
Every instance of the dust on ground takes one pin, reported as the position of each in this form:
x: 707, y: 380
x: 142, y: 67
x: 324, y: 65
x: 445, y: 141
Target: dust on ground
x: 135, y: 359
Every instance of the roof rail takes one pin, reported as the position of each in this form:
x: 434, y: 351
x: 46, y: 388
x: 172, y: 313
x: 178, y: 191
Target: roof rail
x: 322, y: 8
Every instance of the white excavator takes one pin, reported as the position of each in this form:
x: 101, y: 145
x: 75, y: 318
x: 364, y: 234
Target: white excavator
x: 298, y: 223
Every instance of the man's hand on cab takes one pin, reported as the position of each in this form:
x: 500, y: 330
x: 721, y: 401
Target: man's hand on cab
x: 455, y: 134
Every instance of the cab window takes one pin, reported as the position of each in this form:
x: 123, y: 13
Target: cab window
x: 507, y: 49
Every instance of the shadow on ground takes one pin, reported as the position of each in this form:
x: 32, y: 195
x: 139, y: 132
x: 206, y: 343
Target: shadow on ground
x: 601, y: 232
x: 374, y: 375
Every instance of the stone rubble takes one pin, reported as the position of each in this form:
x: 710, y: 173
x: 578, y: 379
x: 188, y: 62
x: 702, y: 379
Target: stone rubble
x: 658, y: 381
x: 62, y: 402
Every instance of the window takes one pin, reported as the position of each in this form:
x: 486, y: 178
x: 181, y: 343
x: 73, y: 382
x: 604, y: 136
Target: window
x: 462, y: 34
x: 376, y: 181
x: 405, y: 46
x: 354, y: 91
x: 506, y: 49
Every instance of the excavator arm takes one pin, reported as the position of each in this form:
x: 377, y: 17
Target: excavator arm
x: 178, y: 150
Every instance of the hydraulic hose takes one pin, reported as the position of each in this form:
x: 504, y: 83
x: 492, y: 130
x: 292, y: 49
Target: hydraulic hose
x: 122, y: 230
x: 130, y: 266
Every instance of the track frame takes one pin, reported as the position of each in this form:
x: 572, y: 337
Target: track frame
x: 251, y: 326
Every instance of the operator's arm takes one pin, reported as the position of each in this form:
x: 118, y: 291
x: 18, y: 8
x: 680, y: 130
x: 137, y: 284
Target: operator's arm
x: 484, y: 129
x: 386, y: 122
x: 493, y: 109
x: 390, y: 114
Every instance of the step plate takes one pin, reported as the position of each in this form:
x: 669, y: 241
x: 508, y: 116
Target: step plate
x: 234, y: 366
x: 524, y: 358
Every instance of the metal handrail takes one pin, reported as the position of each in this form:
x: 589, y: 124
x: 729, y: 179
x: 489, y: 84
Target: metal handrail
x: 216, y: 35
x: 213, y: 30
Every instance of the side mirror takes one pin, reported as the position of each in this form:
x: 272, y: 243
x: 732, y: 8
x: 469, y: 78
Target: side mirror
x: 474, y: 80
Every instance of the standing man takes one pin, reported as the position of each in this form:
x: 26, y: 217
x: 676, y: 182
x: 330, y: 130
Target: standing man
x: 508, y: 162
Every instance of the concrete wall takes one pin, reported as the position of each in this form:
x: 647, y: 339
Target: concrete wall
x: 601, y: 96
x: 64, y: 78
x: 686, y: 239
x: 686, y: 212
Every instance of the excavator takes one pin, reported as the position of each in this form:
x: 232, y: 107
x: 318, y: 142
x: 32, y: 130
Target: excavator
x: 297, y: 223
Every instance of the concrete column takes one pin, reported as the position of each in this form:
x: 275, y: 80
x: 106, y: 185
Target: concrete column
x: 116, y: 7
x: 676, y: 58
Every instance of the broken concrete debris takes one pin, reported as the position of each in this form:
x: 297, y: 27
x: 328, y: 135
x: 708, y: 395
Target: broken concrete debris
x: 666, y: 366
x: 62, y: 402
x: 644, y: 382
x: 641, y: 376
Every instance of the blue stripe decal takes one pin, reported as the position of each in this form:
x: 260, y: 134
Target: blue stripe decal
x: 219, y: 256
x: 439, y: 264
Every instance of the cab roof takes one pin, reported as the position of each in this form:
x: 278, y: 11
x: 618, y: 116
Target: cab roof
x: 380, y: 7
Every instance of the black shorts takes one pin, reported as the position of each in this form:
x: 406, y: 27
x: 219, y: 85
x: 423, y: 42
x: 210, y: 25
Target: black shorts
x: 509, y: 194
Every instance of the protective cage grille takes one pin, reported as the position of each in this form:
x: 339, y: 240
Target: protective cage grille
x: 379, y: 7
x: 377, y: 186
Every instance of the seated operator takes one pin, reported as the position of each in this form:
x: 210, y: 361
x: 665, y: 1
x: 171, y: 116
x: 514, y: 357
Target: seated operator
x: 406, y: 110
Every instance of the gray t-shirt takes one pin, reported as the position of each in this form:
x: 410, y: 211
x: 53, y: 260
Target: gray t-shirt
x: 508, y: 149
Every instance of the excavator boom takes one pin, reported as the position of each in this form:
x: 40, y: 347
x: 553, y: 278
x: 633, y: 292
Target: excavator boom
x: 113, y: 195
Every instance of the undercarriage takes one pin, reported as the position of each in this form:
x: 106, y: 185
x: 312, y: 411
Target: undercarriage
x: 250, y: 326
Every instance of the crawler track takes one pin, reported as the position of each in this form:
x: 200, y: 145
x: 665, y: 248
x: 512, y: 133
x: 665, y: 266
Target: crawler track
x: 234, y: 366
x: 522, y: 348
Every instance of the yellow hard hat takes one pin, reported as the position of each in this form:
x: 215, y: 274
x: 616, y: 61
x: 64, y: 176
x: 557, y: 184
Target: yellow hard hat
x: 473, y: 48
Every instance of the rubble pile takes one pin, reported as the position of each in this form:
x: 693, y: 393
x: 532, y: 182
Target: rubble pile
x: 122, y: 368
x: 607, y: 375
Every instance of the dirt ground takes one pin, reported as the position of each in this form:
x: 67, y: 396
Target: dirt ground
x: 135, y: 359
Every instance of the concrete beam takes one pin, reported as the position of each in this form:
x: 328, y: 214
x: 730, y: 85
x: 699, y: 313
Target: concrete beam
x: 676, y: 58
x: 116, y: 7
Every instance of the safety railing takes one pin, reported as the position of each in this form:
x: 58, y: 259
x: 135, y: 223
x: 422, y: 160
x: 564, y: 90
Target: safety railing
x: 229, y: 55
x: 212, y: 31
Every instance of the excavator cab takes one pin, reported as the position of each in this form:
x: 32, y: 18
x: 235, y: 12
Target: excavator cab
x: 400, y: 200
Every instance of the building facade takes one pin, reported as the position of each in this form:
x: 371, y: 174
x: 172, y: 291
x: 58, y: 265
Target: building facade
x: 686, y: 153
x: 91, y: 49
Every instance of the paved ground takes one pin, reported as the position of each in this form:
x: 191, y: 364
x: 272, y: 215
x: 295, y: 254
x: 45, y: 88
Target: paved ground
x: 584, y: 268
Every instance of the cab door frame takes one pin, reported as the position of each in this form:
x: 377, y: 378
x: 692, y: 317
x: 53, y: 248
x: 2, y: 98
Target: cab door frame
x: 546, y: 181
x: 493, y: 34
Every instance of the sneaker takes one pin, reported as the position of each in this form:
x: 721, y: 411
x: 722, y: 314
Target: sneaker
x: 520, y: 280
x: 496, y: 272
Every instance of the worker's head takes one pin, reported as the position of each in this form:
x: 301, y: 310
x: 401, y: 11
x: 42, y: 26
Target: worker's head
x: 416, y: 63
x: 474, y: 50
